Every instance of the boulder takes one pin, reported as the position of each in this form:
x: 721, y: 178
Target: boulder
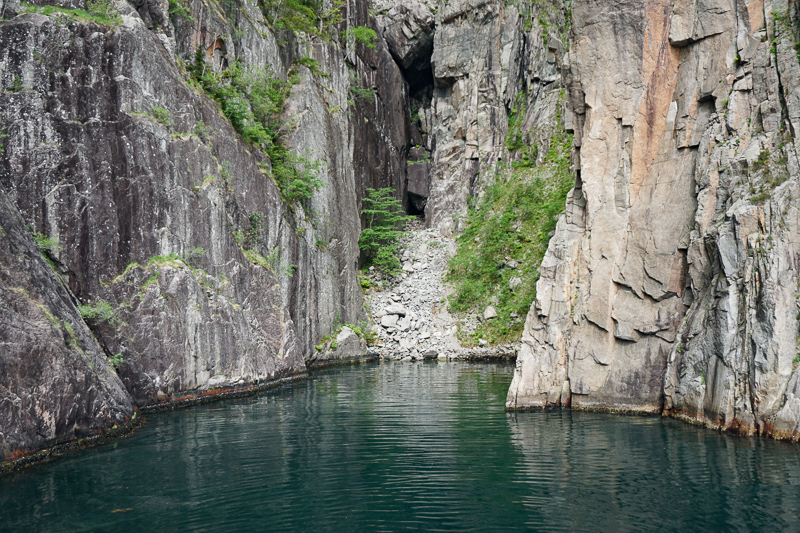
x: 490, y: 313
x: 389, y: 321
x: 404, y: 324
x: 395, y: 309
x: 408, y: 31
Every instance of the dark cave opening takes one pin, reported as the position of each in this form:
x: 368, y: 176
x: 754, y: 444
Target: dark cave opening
x: 419, y: 76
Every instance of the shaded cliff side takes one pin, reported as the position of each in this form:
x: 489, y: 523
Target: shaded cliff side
x: 671, y: 283
x: 169, y: 231
x: 57, y: 383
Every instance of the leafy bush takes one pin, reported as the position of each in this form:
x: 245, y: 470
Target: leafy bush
x: 362, y: 35
x: 116, y: 361
x: 101, y: 311
x: 161, y: 115
x: 384, y: 220
x: 178, y: 10
x: 307, y: 16
x: 46, y: 244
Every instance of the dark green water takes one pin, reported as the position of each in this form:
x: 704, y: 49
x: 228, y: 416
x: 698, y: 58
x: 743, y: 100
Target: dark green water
x: 393, y: 447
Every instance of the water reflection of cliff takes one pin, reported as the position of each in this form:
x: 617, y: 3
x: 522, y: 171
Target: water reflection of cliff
x: 588, y: 471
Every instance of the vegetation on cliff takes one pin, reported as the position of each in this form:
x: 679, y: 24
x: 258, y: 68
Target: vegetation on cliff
x: 385, y: 219
x: 506, y: 236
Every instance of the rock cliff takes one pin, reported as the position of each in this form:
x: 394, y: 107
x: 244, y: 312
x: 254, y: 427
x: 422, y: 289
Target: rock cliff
x: 162, y: 226
x: 671, y: 283
x: 151, y: 253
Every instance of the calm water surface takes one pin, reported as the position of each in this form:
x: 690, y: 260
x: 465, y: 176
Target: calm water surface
x: 398, y: 447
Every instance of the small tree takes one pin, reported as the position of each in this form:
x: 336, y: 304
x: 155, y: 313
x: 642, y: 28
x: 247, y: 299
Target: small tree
x: 383, y: 229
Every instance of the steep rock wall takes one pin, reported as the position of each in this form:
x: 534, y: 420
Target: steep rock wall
x: 57, y: 383
x: 111, y: 151
x: 472, y: 65
x: 671, y: 281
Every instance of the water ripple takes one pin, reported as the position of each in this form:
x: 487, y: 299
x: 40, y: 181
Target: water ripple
x: 399, y: 447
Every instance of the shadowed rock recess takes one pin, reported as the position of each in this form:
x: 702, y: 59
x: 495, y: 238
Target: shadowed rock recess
x: 149, y: 256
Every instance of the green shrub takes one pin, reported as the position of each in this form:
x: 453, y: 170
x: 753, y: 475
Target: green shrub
x: 178, y: 10
x: 307, y: 16
x: 116, y: 361
x: 312, y: 65
x: 100, y: 311
x: 253, y: 99
x: 161, y: 115
x: 362, y: 35
x: 46, y: 244
x: 384, y: 221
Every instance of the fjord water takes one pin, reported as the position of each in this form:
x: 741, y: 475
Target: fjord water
x: 394, y: 447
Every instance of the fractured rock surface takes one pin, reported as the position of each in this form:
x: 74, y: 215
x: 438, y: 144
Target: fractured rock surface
x: 671, y: 282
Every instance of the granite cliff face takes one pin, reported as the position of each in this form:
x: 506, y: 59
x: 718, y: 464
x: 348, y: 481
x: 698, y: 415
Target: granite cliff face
x: 671, y: 283
x: 139, y: 191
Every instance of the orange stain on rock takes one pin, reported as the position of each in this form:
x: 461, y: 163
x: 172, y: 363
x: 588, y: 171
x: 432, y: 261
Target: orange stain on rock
x: 660, y: 76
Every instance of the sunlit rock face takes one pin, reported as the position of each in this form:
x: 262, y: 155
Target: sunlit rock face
x: 671, y: 282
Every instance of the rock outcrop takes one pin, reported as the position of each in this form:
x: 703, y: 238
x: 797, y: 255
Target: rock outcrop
x: 57, y: 383
x: 491, y: 61
x: 671, y: 282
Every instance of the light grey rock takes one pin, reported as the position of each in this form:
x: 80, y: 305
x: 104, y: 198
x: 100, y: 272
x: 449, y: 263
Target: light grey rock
x: 395, y: 309
x: 346, y: 346
x: 515, y: 283
x: 689, y: 310
x: 408, y: 29
x: 389, y: 321
x: 490, y: 313
x: 407, y: 344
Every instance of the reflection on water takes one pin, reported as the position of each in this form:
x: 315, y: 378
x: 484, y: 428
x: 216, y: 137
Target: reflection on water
x: 391, y: 447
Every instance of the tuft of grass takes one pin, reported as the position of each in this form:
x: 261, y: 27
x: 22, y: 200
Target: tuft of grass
x: 100, y: 12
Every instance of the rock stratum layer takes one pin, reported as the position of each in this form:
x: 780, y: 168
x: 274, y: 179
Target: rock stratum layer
x: 671, y: 283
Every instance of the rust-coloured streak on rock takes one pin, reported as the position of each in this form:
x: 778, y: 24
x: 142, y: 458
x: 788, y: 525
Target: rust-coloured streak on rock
x: 660, y: 75
x: 755, y: 9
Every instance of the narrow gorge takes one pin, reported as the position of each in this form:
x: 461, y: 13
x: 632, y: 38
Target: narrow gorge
x: 615, y: 185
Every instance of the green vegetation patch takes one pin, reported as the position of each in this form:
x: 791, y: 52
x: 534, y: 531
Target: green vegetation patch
x: 101, y: 12
x: 253, y: 99
x: 512, y: 222
x: 384, y: 222
x: 101, y: 311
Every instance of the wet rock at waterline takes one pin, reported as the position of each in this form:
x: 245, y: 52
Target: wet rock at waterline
x: 56, y: 384
x: 346, y: 346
